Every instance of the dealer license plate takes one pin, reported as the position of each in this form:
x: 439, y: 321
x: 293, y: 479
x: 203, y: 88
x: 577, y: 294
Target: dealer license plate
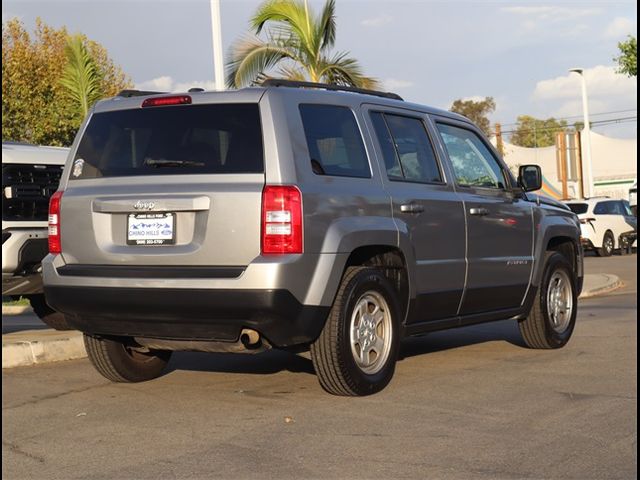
x: 151, y: 229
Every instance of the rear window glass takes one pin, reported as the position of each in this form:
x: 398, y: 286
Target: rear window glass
x: 407, y: 150
x: 578, y: 208
x: 334, y: 141
x: 223, y: 138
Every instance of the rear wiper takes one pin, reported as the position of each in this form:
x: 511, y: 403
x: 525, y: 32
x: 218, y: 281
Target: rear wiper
x: 172, y: 163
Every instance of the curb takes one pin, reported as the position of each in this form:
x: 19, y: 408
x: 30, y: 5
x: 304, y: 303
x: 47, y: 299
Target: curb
x: 613, y: 283
x: 58, y: 347
x: 15, y: 309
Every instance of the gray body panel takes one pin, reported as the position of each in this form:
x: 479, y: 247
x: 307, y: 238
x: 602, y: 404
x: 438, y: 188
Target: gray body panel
x: 457, y: 264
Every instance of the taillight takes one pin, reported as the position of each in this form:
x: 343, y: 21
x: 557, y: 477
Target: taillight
x: 54, y: 223
x: 281, y: 220
x: 164, y: 101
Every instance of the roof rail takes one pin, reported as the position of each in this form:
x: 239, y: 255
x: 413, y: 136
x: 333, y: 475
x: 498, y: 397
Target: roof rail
x: 277, y: 82
x: 136, y: 93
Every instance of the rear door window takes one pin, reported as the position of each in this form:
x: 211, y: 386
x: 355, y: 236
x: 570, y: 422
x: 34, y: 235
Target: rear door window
x: 334, y: 141
x: 606, y: 208
x: 171, y: 140
x: 406, y: 148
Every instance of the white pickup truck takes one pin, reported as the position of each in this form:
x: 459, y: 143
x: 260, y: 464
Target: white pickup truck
x: 30, y: 175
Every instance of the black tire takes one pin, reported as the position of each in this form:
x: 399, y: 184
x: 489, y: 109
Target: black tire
x: 331, y: 353
x: 625, y: 245
x: 47, y: 314
x: 537, y: 329
x: 608, y: 245
x: 115, y: 361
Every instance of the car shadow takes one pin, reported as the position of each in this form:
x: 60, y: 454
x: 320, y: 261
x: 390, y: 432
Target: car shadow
x: 504, y: 330
x: 269, y: 362
x: 274, y: 361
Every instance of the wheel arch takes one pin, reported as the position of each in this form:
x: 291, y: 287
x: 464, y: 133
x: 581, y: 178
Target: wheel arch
x: 391, y: 260
x: 572, y: 251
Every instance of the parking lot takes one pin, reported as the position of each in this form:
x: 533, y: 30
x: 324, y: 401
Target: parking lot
x: 466, y: 403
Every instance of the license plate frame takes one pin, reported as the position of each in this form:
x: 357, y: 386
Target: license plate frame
x: 151, y: 229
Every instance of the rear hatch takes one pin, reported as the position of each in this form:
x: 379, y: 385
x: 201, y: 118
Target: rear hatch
x: 176, y: 184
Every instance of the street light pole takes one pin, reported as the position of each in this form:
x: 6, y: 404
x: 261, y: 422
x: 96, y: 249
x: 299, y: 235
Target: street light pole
x: 586, y: 137
x: 216, y: 31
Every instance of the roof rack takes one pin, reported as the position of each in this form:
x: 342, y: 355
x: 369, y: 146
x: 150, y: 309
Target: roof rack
x: 277, y: 82
x: 136, y: 93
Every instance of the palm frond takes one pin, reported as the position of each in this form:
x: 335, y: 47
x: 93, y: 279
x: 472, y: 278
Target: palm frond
x: 252, y: 57
x: 292, y: 73
x: 297, y: 21
x: 80, y: 76
x: 343, y: 70
x: 326, y: 27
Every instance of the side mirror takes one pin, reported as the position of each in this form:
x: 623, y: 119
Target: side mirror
x: 530, y: 177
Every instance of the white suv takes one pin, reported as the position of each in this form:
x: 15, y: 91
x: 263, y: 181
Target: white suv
x: 606, y: 224
x: 30, y: 175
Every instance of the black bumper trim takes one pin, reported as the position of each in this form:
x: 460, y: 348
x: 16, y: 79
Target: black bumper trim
x: 149, y: 271
x: 189, y: 314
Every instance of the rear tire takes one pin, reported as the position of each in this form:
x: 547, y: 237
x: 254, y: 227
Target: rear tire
x: 553, y: 316
x: 608, y: 245
x: 47, y: 314
x: 356, y: 352
x: 117, y: 362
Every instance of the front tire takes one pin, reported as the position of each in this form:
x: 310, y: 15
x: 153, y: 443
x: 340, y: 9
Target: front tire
x: 553, y: 316
x: 356, y: 352
x: 47, y: 314
x: 118, y: 362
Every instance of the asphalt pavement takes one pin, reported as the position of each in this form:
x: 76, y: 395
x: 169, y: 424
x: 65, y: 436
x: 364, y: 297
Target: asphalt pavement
x: 464, y: 404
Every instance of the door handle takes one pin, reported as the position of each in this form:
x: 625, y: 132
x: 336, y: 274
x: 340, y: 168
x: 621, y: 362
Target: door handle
x: 411, y: 208
x: 478, y: 211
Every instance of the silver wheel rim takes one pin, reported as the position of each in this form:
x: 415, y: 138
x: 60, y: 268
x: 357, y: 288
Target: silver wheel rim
x: 560, y: 301
x: 371, y: 332
x: 608, y: 243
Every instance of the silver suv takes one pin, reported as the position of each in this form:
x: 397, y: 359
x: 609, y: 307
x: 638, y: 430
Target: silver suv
x: 298, y: 218
x: 30, y: 175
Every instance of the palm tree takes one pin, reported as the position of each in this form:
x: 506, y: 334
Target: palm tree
x: 297, y: 45
x: 81, y: 75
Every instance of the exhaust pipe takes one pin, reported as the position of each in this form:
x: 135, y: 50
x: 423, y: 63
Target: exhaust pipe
x: 250, y: 342
x: 250, y: 339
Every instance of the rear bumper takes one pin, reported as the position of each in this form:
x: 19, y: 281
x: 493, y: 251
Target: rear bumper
x: 189, y: 314
x: 22, y: 252
x: 286, y: 299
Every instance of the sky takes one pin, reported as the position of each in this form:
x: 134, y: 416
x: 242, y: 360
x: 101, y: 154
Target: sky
x: 429, y: 51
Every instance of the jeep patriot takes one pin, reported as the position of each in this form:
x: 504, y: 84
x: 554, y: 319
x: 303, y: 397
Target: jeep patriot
x: 302, y: 217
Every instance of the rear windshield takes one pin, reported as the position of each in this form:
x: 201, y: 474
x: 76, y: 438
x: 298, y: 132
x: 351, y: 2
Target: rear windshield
x: 578, y: 208
x: 171, y: 140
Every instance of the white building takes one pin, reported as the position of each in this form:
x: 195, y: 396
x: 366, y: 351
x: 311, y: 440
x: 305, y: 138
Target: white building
x: 614, y: 166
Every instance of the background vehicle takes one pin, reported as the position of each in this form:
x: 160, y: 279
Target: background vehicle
x: 606, y: 224
x: 298, y: 218
x: 633, y: 198
x: 30, y: 175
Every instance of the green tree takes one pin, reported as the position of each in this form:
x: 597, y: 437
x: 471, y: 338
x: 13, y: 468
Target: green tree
x: 628, y: 58
x: 476, y: 111
x: 80, y: 76
x: 533, y: 132
x: 297, y: 45
x: 36, y: 106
